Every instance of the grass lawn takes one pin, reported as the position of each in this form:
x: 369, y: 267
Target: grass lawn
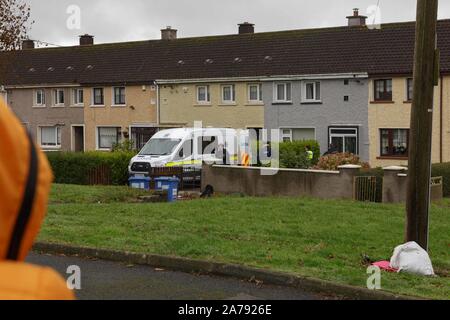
x: 321, y: 239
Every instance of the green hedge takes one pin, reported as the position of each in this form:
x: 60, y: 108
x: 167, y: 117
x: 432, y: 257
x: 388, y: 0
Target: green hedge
x: 293, y: 154
x: 74, y: 168
x: 443, y: 170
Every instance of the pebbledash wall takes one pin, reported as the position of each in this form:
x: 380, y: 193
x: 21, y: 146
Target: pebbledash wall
x: 343, y: 105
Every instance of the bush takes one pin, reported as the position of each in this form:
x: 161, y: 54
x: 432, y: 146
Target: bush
x: 333, y: 161
x: 443, y: 170
x: 126, y: 146
x: 74, y: 168
x: 293, y: 154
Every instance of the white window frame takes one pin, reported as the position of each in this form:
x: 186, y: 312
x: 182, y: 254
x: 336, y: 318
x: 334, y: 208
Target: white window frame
x: 75, y: 97
x: 207, y: 95
x: 232, y: 88
x: 35, y: 102
x: 407, y: 91
x: 58, y: 137
x: 283, y: 135
x: 275, y: 96
x: 56, y: 97
x: 93, y: 97
x: 344, y: 135
x: 259, y: 99
x: 315, y: 99
x: 97, y: 137
x: 113, y: 98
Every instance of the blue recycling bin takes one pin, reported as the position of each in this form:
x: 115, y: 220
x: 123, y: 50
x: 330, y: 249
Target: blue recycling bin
x: 170, y: 184
x: 139, y: 182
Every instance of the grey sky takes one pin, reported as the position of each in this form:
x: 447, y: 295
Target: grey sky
x: 125, y: 20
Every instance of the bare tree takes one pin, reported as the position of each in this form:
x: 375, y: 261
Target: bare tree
x: 14, y: 23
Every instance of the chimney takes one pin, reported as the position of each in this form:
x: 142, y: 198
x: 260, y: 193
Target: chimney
x: 168, y: 33
x: 246, y: 27
x: 356, y: 20
x: 86, y: 40
x: 27, y: 44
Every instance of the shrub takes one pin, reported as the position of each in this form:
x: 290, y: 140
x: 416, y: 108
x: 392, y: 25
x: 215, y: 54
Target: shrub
x: 293, y: 154
x: 124, y: 146
x: 333, y: 161
x: 443, y: 170
x: 74, y: 168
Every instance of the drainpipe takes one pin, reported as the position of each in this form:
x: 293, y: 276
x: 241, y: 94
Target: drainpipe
x: 441, y: 107
x: 157, y: 105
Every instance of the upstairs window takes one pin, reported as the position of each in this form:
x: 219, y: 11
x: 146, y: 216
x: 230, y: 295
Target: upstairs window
x: 98, y: 98
x: 383, y: 90
x: 311, y: 92
x: 283, y: 93
x: 255, y: 93
x: 39, y: 98
x: 58, y: 97
x: 203, y: 96
x: 119, y: 96
x: 394, y: 142
x: 78, y: 97
x: 409, y: 89
x: 228, y: 94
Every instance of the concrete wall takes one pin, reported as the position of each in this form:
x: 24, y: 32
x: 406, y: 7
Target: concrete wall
x: 21, y: 102
x: 397, y: 115
x: 293, y: 183
x: 179, y: 107
x: 140, y: 109
x: 332, y: 111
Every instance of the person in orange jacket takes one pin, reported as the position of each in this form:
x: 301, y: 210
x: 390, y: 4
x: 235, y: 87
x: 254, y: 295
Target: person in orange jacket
x: 25, y: 180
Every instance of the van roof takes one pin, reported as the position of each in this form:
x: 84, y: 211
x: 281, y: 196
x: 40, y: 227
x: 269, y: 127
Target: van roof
x: 180, y: 133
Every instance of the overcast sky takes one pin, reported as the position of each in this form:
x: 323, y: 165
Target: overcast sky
x: 126, y: 20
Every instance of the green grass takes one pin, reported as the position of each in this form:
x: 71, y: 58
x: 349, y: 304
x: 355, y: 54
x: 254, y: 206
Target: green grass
x: 322, y: 239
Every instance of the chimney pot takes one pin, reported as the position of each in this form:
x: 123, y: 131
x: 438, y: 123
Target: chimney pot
x: 356, y: 20
x: 27, y: 44
x: 246, y: 28
x: 168, y: 33
x: 86, y: 40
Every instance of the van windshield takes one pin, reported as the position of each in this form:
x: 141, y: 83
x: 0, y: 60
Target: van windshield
x: 159, y: 147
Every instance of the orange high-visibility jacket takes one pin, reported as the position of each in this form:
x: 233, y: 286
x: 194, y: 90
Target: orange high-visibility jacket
x: 25, y: 179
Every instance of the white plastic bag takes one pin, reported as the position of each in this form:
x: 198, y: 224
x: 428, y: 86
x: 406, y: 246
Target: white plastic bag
x: 411, y: 258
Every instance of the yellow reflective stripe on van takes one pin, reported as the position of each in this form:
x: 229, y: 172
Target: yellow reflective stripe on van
x: 183, y: 163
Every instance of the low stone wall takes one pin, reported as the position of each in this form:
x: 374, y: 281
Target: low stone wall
x: 395, y: 186
x: 261, y: 182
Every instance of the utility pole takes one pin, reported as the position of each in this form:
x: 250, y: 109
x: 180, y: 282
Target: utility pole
x: 426, y: 77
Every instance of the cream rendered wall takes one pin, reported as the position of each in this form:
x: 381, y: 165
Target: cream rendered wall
x: 140, y: 109
x: 179, y: 107
x: 396, y: 115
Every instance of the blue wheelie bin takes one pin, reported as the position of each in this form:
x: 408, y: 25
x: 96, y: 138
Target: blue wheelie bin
x: 170, y: 184
x: 139, y: 182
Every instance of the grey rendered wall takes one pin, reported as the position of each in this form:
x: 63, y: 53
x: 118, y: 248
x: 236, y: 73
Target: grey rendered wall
x: 21, y: 102
x: 333, y: 111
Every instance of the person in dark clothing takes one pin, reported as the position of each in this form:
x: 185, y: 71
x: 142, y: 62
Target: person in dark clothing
x: 332, y: 149
x: 223, y: 155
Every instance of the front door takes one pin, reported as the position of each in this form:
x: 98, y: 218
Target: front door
x: 78, y: 138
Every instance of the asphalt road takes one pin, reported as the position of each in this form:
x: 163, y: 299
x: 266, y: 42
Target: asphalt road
x: 111, y: 280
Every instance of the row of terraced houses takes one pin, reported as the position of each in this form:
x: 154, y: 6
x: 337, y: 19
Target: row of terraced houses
x: 349, y: 86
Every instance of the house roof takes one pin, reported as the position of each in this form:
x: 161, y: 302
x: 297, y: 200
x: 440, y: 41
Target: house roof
x: 388, y: 50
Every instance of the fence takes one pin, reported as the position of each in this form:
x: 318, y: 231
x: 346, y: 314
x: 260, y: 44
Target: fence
x: 100, y: 175
x: 365, y: 189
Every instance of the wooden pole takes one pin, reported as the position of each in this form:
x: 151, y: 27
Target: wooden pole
x: 419, y: 171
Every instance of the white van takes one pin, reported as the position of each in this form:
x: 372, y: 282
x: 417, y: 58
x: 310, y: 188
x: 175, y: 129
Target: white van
x: 189, y: 147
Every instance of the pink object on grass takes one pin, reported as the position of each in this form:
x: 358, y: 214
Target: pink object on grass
x: 384, y: 265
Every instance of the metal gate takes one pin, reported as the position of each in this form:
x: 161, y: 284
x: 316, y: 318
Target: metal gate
x: 365, y: 189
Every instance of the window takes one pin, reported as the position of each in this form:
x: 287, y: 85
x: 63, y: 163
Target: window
x: 50, y: 137
x: 119, y: 96
x: 98, y: 98
x: 286, y: 135
x: 255, y: 93
x: 78, y: 97
x: 298, y: 134
x: 39, y: 98
x: 409, y: 89
x: 203, y: 95
x: 344, y: 139
x: 58, y: 97
x: 394, y: 142
x: 283, y: 92
x: 108, y: 137
x: 383, y: 90
x: 311, y: 91
x: 228, y: 94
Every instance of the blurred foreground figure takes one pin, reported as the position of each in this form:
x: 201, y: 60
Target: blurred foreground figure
x: 25, y: 179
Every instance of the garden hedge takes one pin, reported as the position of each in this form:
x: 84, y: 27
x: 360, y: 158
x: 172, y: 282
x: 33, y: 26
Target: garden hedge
x: 443, y: 170
x: 74, y: 168
x: 293, y: 154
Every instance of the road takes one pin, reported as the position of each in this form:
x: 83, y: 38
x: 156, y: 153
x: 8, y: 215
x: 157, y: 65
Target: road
x: 112, y: 280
